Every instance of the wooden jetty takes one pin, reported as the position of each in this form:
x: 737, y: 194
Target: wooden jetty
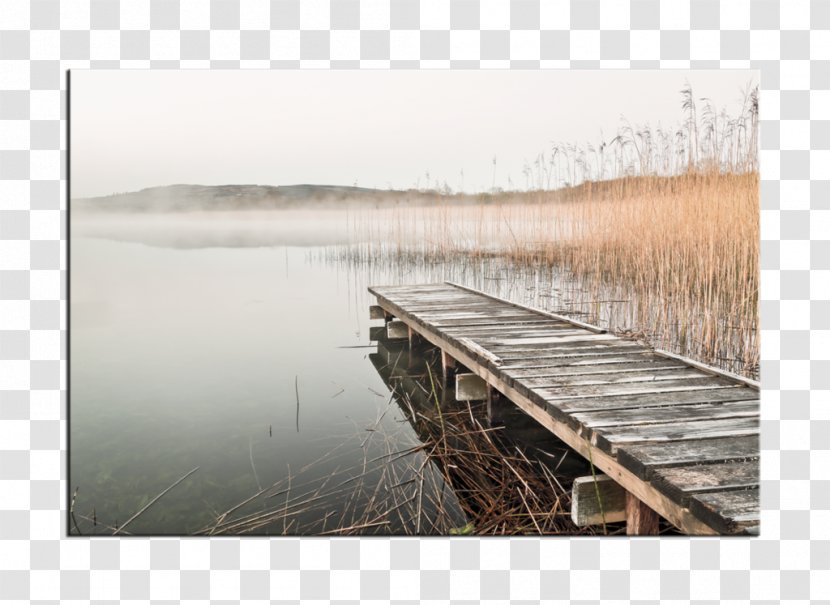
x: 680, y: 439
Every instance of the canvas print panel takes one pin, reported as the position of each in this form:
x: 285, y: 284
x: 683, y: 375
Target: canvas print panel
x: 414, y: 303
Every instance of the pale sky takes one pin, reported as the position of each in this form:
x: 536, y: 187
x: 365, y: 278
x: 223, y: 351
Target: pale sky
x: 136, y: 129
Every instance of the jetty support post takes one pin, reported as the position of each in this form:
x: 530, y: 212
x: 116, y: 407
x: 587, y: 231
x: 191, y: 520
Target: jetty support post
x: 498, y: 407
x: 397, y: 330
x: 376, y: 312
x: 414, y: 337
x: 599, y: 499
x: 596, y: 500
x: 470, y: 387
x: 448, y: 364
x: 640, y: 520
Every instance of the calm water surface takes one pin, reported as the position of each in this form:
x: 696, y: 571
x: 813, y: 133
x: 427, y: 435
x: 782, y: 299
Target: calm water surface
x: 195, y: 354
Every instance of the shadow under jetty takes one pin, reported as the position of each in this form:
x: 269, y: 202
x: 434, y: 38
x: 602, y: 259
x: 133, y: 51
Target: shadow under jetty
x: 510, y: 475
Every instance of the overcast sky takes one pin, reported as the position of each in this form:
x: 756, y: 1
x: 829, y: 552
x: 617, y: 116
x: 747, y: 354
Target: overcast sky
x: 136, y: 129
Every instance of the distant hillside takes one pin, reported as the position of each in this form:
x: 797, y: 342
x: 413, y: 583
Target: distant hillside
x: 183, y: 198
x: 179, y: 198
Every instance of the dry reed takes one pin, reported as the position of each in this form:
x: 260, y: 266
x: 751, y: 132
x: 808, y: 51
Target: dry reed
x: 663, y: 244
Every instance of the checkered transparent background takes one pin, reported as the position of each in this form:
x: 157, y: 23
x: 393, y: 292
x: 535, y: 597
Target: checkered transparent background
x: 40, y: 39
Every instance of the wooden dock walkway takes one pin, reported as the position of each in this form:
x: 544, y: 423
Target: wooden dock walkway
x: 681, y: 438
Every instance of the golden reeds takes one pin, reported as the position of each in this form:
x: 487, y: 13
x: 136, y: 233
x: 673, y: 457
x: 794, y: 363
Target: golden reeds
x: 673, y: 260
x: 662, y: 244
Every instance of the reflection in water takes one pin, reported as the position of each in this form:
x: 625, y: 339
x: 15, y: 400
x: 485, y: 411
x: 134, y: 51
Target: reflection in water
x: 386, y: 484
x: 254, y: 364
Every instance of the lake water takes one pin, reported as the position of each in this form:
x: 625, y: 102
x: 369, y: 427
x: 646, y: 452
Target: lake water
x: 240, y: 346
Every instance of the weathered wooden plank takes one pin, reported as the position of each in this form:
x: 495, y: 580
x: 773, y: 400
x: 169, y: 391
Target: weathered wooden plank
x: 376, y: 312
x: 597, y: 500
x: 435, y: 297
x: 480, y: 351
x: 414, y: 296
x: 682, y: 482
x: 515, y: 329
x: 537, y: 340
x: 520, y: 306
x: 454, y: 301
x: 677, y: 413
x: 542, y: 367
x: 436, y: 307
x: 506, y: 323
x: 625, y: 366
x: 630, y: 355
x: 439, y: 299
x: 528, y: 319
x: 637, y: 376
x: 499, y: 330
x: 696, y: 364
x: 470, y: 387
x: 418, y: 292
x: 410, y: 289
x: 631, y: 388
x: 397, y: 329
x: 564, y: 409
x: 529, y: 360
x: 436, y: 313
x: 448, y: 305
x: 728, y: 511
x: 611, y: 438
x: 453, y: 314
x: 644, y: 459
x: 657, y: 400
x: 578, y: 349
x: 518, y: 334
x: 402, y: 288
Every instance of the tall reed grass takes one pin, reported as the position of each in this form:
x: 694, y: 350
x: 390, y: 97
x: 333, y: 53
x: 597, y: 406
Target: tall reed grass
x: 663, y: 246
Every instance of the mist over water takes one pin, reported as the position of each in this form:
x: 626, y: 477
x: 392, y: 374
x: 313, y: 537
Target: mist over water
x: 187, y: 337
x: 218, y: 229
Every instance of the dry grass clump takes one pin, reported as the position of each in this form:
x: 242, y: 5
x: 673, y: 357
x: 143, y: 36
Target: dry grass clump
x: 501, y: 489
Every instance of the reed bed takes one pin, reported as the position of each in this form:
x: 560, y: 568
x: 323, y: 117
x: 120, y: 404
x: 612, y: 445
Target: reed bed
x: 653, y: 234
x: 685, y: 253
x: 672, y: 260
